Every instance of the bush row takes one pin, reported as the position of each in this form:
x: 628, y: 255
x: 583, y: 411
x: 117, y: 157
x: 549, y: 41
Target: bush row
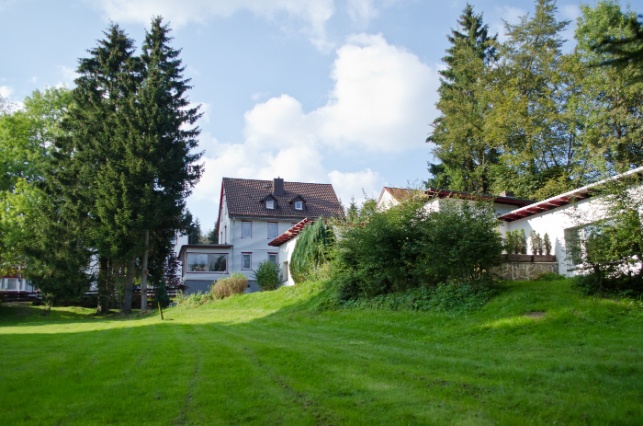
x: 408, y: 247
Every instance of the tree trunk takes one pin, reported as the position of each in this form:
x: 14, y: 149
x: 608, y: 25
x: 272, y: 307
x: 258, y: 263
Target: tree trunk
x: 103, y: 286
x: 144, y: 273
x: 128, y: 289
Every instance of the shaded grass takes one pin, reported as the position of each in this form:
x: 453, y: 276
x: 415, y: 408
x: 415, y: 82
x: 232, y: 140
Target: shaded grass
x: 536, y: 354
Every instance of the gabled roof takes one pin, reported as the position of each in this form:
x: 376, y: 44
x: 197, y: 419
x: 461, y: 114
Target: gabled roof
x: 400, y: 194
x: 244, y: 199
x: 291, y: 233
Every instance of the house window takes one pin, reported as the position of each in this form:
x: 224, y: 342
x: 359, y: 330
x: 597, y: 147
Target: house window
x: 273, y: 258
x: 272, y: 230
x: 299, y: 205
x: 246, y: 261
x: 578, y: 241
x: 284, y: 271
x: 207, y: 262
x: 246, y: 229
x: 270, y: 204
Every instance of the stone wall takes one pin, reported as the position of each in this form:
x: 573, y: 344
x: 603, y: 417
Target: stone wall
x: 521, y: 271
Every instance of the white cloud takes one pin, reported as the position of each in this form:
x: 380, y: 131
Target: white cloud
x: 382, y: 101
x: 355, y: 185
x: 312, y: 15
x: 361, y: 11
x: 5, y: 92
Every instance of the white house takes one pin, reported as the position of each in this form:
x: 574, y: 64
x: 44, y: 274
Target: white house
x: 252, y: 213
x: 563, y: 217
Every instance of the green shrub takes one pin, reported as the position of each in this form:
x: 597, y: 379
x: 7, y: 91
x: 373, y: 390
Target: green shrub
x: 161, y: 297
x: 268, y: 275
x: 236, y: 283
x: 407, y: 247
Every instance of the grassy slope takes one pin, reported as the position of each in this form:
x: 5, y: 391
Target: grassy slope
x: 272, y: 359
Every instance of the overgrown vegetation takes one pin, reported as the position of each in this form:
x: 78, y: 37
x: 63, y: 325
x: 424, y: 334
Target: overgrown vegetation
x: 610, y: 251
x: 311, y: 251
x: 268, y: 275
x: 236, y: 283
x: 407, y: 247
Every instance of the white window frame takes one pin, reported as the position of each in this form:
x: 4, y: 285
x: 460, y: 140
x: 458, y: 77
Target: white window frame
x: 270, y: 204
x: 299, y: 205
x: 207, y: 259
x: 245, y: 234
x: 248, y: 256
x: 275, y: 258
x: 276, y: 229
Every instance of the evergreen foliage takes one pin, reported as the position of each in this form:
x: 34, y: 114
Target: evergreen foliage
x: 311, y: 250
x: 524, y: 116
x: 161, y: 297
x: 466, y: 154
x: 126, y: 162
x: 268, y: 275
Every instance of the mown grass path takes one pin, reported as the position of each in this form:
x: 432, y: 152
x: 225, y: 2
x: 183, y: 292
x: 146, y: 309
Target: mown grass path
x: 537, y: 354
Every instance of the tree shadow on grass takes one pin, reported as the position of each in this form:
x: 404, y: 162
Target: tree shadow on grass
x: 26, y: 314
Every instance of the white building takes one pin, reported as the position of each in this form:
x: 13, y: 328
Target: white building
x: 563, y: 217
x: 252, y: 213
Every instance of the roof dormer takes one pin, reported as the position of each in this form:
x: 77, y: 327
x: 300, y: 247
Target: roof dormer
x: 298, y: 203
x: 269, y: 202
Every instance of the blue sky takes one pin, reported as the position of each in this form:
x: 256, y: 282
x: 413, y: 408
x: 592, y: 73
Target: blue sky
x: 333, y: 91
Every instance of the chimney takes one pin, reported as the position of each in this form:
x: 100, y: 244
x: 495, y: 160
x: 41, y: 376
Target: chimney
x: 278, y: 186
x: 508, y: 194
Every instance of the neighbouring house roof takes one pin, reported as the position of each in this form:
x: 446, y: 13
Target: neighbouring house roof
x: 399, y: 194
x: 446, y: 193
x: 565, y: 198
x: 245, y: 198
x: 291, y: 233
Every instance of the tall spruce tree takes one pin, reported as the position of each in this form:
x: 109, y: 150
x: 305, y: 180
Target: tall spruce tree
x: 91, y: 165
x: 166, y: 162
x: 467, y: 156
x: 530, y: 120
x: 611, y: 99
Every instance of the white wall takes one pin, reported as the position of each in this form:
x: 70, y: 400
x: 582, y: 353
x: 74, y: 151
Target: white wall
x: 285, y: 255
x: 257, y: 245
x: 555, y: 222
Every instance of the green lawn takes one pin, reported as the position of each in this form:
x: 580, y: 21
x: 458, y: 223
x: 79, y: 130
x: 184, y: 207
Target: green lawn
x: 537, y: 354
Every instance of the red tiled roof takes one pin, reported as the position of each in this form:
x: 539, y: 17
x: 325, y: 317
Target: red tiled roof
x: 244, y: 199
x: 290, y: 233
x: 566, y: 198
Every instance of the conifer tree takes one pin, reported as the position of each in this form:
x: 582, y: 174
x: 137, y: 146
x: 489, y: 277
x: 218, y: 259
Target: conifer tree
x: 611, y: 100
x: 90, y: 164
x: 467, y: 156
x: 530, y: 120
x: 165, y: 161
